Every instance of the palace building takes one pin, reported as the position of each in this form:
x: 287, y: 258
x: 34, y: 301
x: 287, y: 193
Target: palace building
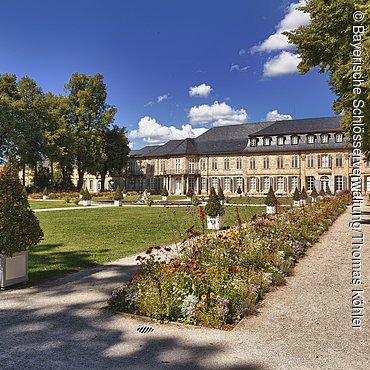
x: 284, y: 154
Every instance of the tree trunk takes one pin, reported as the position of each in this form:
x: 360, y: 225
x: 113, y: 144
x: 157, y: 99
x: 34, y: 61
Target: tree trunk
x: 52, y: 174
x: 23, y: 174
x: 80, y: 179
x: 103, y: 175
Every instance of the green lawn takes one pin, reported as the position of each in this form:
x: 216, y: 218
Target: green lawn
x: 134, y: 198
x: 43, y: 204
x: 84, y: 238
x: 258, y: 200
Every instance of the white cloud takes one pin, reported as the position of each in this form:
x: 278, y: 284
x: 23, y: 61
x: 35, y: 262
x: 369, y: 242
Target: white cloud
x: 153, y: 132
x: 242, y: 52
x: 149, y: 104
x: 202, y: 90
x: 282, y: 64
x: 218, y: 114
x: 274, y: 115
x: 131, y: 145
x: 237, y: 67
x: 162, y: 98
x: 293, y: 19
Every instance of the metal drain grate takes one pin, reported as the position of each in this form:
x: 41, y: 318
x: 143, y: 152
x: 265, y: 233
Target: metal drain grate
x: 145, y: 329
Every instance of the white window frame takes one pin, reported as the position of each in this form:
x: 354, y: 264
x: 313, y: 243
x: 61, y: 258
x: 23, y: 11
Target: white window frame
x: 203, y: 183
x: 310, y: 161
x: 239, y: 182
x: 252, y: 163
x: 266, y: 141
x: 280, y: 162
x: 253, y: 142
x: 324, y: 138
x: 295, y: 161
x: 339, y: 138
x: 227, y: 184
x: 266, y: 183
x: 253, y: 183
x: 325, y: 161
x: 214, y: 182
x: 339, y: 183
x: 239, y: 163
x: 280, y: 140
x: 295, y: 182
x: 266, y: 163
x: 214, y: 162
x: 191, y: 165
x: 310, y: 139
x: 178, y: 166
x: 280, y: 183
x: 226, y: 164
x: 310, y: 182
x: 294, y: 140
x: 202, y: 164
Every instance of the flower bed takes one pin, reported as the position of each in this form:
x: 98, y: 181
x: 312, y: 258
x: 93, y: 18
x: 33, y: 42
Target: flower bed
x: 218, y: 278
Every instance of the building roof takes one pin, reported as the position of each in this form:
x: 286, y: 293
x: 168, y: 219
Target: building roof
x: 301, y: 126
x: 234, y: 138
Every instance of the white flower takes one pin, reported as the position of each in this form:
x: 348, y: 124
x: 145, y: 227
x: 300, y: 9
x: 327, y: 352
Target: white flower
x: 188, y: 306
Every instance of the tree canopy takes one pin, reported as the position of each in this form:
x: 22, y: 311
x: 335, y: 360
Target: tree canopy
x: 337, y: 41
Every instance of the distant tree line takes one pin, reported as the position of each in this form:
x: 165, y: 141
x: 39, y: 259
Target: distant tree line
x: 72, y: 130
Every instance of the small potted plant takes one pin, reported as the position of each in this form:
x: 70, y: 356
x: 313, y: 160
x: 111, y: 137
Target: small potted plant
x: 303, y: 196
x: 118, y: 196
x: 19, y: 228
x: 164, y: 194
x: 214, y: 211
x: 271, y: 202
x: 221, y: 195
x: 296, y: 198
x: 239, y: 191
x: 314, y: 195
x: 189, y: 195
x: 45, y: 194
x: 195, y: 201
x: 86, y: 198
x: 124, y: 192
x: 81, y: 192
x: 148, y: 201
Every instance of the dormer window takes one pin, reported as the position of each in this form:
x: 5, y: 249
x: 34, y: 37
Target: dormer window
x: 339, y: 138
x: 310, y: 139
x: 266, y: 141
x: 295, y: 140
x: 280, y: 140
x: 253, y: 142
x: 324, y: 138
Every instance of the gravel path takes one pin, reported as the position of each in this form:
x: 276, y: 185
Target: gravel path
x: 303, y: 325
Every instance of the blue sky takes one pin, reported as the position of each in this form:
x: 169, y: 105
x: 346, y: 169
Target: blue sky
x: 172, y: 68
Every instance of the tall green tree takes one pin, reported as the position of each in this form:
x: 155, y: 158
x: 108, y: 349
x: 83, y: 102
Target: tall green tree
x: 328, y: 43
x: 88, y: 115
x: 116, y: 151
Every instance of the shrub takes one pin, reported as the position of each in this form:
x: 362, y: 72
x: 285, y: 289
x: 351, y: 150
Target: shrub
x: 190, y: 193
x: 45, y: 192
x: 328, y: 191
x: 19, y: 227
x: 271, y: 199
x: 82, y: 191
x: 67, y: 199
x: 239, y: 190
x: 220, y: 194
x: 118, y: 194
x: 213, y: 207
x: 124, y: 191
x: 86, y: 195
x: 195, y: 201
x: 322, y: 192
x: 296, y: 195
x: 303, y: 194
x: 164, y: 191
x: 314, y: 193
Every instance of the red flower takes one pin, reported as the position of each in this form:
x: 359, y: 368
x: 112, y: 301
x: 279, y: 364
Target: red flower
x: 233, y: 267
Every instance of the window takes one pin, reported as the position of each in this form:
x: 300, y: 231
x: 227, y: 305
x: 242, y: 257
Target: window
x: 280, y: 162
x: 90, y: 184
x: 202, y: 164
x: 239, y: 182
x: 192, y: 183
x: 253, y: 142
x: 239, y: 163
x: 226, y: 164
x: 339, y: 160
x: 178, y: 165
x: 266, y: 163
x: 214, y: 163
x: 295, y: 140
x: 227, y: 184
x: 191, y: 165
x: 152, y: 166
x: 324, y: 138
x: 324, y: 182
x: 163, y: 165
x: 325, y: 161
x: 253, y: 183
x: 266, y: 141
x: 203, y: 183
x: 310, y: 182
x: 280, y: 183
x: 280, y: 140
x: 266, y: 184
x: 368, y: 163
x: 310, y: 139
x: 99, y: 185
x: 339, y: 183
x: 214, y: 182
x: 252, y: 163
x: 294, y: 183
x: 294, y: 161
x: 309, y: 161
x: 339, y: 138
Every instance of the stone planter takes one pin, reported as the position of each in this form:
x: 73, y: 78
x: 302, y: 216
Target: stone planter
x: 270, y: 210
x: 164, y: 198
x: 45, y: 197
x: 215, y: 223
x: 314, y: 200
x: 303, y: 202
x: 86, y: 202
x: 118, y: 203
x: 80, y: 196
x: 188, y: 199
x: 296, y: 203
x: 13, y: 270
